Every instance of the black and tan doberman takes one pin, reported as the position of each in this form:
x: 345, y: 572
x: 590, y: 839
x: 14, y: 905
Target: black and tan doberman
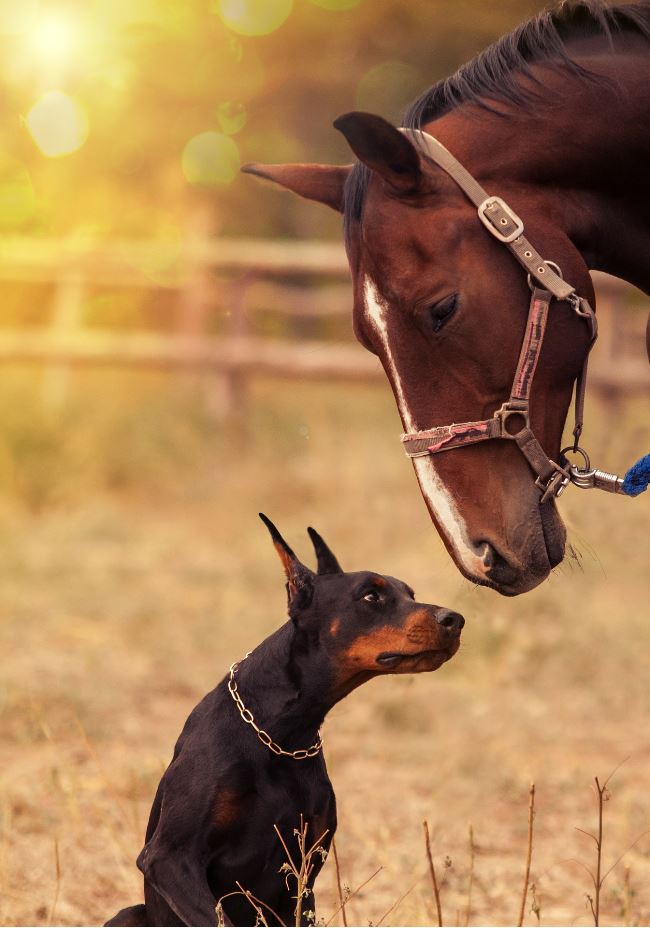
x: 249, y: 757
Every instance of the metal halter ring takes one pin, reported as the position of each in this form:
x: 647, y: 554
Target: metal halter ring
x: 583, y: 454
x: 551, y: 264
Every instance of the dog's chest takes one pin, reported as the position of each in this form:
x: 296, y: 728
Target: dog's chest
x: 287, y: 799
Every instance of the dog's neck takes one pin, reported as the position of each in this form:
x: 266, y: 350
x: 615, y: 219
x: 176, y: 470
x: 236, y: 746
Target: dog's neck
x: 286, y: 686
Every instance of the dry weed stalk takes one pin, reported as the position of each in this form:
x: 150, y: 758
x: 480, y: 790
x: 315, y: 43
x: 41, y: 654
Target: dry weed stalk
x: 535, y: 905
x: 432, y: 871
x: 529, y: 853
x: 338, y: 885
x: 470, y: 879
x: 302, y: 872
x: 353, y: 894
x: 397, y: 903
x: 115, y: 833
x: 57, y: 887
x: 598, y: 878
x: 627, y: 896
x: 256, y: 903
x: 5, y: 827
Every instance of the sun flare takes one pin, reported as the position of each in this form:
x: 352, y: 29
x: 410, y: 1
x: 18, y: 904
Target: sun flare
x: 54, y: 37
x: 58, y: 124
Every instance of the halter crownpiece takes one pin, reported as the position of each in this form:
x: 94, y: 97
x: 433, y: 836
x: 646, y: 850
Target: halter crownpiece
x: 546, y: 282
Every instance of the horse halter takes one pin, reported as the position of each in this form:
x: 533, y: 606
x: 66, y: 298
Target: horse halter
x: 512, y: 419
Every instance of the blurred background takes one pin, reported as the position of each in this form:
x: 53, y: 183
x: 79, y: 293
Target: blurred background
x: 177, y: 355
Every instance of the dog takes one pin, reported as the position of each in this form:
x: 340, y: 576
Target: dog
x: 248, y: 772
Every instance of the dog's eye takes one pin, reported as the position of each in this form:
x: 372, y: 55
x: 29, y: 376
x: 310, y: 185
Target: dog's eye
x: 372, y: 597
x: 442, y: 311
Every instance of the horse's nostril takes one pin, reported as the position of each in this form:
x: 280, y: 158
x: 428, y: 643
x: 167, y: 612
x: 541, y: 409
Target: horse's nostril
x: 490, y: 557
x: 498, y: 567
x: 452, y: 621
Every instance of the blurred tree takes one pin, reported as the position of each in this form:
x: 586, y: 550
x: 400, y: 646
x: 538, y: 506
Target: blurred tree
x: 173, y: 95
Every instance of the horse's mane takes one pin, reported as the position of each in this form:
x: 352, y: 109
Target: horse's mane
x: 493, y: 76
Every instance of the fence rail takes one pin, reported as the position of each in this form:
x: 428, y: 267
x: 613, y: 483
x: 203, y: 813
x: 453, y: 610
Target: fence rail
x: 234, y: 281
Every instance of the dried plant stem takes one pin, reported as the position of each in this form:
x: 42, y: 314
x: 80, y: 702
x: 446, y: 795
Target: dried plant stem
x: 353, y: 894
x: 397, y: 902
x: 470, y: 880
x: 57, y: 868
x: 301, y: 873
x: 254, y: 901
x: 338, y: 884
x: 598, y: 878
x: 432, y: 871
x: 529, y: 853
x: 627, y: 896
x: 599, y: 850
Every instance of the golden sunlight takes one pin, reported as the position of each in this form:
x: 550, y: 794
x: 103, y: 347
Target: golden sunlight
x: 231, y: 117
x: 254, y: 17
x: 58, y: 124
x: 336, y: 4
x: 53, y: 37
x: 17, y: 197
x: 17, y: 17
x: 210, y: 158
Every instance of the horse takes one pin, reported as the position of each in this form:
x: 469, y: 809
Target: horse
x: 553, y: 120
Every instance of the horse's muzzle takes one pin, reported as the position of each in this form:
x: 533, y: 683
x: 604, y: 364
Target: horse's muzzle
x: 540, y: 548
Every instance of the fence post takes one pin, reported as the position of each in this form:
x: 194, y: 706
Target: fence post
x: 227, y: 390
x: 65, y: 324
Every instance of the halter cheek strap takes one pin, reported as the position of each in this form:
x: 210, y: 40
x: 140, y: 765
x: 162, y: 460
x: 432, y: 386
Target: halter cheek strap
x: 512, y: 419
x: 504, y: 224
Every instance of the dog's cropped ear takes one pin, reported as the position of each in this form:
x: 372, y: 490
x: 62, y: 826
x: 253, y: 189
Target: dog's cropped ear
x: 327, y: 563
x: 300, y: 579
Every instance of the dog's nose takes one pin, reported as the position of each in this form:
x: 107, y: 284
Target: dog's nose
x: 451, y: 621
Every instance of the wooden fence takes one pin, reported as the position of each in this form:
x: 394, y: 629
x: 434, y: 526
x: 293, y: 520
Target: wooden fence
x: 219, y: 290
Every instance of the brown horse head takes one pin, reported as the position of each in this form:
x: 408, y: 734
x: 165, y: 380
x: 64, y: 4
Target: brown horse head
x: 444, y: 305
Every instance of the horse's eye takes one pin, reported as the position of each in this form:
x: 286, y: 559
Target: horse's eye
x: 442, y: 311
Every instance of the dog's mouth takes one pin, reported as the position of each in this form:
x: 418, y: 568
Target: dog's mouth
x: 415, y: 660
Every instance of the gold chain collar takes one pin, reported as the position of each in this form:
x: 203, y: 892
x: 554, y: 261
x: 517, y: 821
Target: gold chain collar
x: 265, y: 738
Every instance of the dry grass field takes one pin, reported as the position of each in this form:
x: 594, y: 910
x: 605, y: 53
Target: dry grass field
x: 134, y: 570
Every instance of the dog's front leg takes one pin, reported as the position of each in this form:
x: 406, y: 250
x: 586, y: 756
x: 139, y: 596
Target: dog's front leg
x: 177, y: 890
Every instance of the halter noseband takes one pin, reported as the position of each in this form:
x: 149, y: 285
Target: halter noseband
x: 507, y: 228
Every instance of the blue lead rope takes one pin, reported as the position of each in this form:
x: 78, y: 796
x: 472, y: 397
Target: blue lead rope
x: 637, y: 478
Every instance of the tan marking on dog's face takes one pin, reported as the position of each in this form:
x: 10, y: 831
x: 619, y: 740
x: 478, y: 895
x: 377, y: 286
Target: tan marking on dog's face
x: 420, y: 633
x: 362, y: 653
x: 334, y: 627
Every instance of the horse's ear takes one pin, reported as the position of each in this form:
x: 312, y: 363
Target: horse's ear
x: 300, y: 579
x: 383, y: 148
x: 321, y: 182
x: 327, y: 563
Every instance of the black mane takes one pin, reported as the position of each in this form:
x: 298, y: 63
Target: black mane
x: 493, y: 75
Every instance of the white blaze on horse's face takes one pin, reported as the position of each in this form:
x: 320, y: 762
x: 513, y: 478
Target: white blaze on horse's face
x: 439, y: 499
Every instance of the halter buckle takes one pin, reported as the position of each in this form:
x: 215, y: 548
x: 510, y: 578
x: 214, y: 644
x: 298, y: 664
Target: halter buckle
x: 555, y: 485
x: 505, y: 237
x: 512, y: 408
